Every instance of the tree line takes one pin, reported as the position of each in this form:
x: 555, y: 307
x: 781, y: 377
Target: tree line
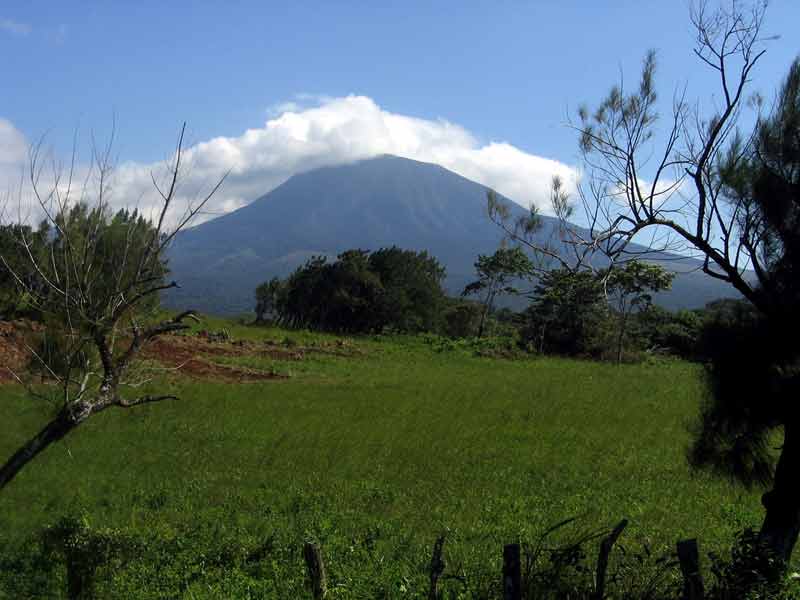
x: 359, y: 292
x: 609, y: 314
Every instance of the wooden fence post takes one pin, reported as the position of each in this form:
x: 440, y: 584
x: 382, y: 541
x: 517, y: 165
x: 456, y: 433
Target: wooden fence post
x: 316, y: 570
x: 602, y: 560
x: 689, y: 558
x: 437, y: 568
x: 512, y: 572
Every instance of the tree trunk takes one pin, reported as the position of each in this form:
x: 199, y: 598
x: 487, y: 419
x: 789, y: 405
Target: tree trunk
x: 483, y: 321
x: 66, y: 420
x: 541, y: 338
x: 621, y: 339
x: 782, y: 520
x: 487, y: 307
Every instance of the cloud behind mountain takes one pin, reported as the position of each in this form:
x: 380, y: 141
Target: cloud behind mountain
x: 327, y: 132
x: 369, y: 204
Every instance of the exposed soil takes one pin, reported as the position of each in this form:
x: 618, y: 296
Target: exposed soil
x: 14, y: 353
x: 194, y: 355
x: 190, y: 356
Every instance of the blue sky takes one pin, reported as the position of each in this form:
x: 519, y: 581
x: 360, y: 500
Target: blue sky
x: 501, y: 71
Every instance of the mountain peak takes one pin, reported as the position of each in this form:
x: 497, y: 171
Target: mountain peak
x: 376, y: 202
x: 391, y: 163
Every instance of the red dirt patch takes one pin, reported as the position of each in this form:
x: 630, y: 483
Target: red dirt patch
x: 193, y: 355
x: 189, y: 356
x: 14, y: 353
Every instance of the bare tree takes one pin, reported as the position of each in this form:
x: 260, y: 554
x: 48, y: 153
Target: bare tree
x: 98, y: 276
x: 666, y: 185
x: 679, y: 193
x: 565, y: 246
x: 661, y: 190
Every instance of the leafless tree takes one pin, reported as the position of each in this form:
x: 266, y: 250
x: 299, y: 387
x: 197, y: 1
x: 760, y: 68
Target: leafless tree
x: 98, y: 279
x: 669, y: 183
x: 561, y: 247
x: 660, y: 190
x: 660, y: 184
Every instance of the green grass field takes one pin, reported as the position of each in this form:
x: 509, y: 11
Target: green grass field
x: 373, y: 455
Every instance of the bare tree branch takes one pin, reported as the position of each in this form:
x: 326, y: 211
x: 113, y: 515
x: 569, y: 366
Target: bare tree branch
x: 97, y: 277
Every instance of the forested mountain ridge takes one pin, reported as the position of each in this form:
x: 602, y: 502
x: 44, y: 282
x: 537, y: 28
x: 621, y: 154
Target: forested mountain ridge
x: 369, y: 204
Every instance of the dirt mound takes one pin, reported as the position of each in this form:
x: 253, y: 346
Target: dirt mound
x: 14, y: 353
x: 190, y: 356
x: 193, y: 356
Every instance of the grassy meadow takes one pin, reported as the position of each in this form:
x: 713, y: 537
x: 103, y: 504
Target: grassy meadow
x: 372, y: 450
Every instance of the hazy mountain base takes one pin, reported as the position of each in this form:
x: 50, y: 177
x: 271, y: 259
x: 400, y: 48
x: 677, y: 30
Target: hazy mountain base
x: 371, y: 204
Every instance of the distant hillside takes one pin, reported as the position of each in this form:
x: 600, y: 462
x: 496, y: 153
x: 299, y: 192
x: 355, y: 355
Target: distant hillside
x: 378, y: 202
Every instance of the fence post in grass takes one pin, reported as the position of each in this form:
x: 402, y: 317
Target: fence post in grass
x: 512, y: 572
x: 602, y: 560
x: 316, y: 570
x: 437, y: 568
x: 689, y: 558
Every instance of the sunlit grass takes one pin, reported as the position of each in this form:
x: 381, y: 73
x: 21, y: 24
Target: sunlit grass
x: 394, y: 443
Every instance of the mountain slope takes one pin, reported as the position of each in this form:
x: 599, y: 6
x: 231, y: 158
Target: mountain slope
x: 370, y: 204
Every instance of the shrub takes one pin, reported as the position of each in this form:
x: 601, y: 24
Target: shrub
x: 55, y: 352
x: 461, y: 319
x: 751, y: 572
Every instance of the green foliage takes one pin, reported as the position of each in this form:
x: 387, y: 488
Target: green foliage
x: 359, y: 292
x: 733, y: 434
x: 374, y: 454
x: 29, y: 570
x: 632, y: 285
x: 84, y: 552
x: 101, y: 252
x: 110, y: 255
x: 754, y: 360
x: 568, y: 314
x: 677, y: 333
x: 751, y: 572
x: 462, y: 318
x: 630, y: 288
x: 58, y: 352
x: 763, y: 180
x: 412, y: 297
x: 269, y: 298
x: 490, y: 347
x: 497, y: 275
x: 619, y: 108
x: 335, y: 296
x: 17, y: 274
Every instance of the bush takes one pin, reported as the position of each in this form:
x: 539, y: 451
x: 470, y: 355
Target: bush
x: 360, y: 292
x: 489, y: 347
x: 751, y: 572
x: 461, y: 319
x: 569, y: 315
x: 56, y: 354
x: 677, y: 333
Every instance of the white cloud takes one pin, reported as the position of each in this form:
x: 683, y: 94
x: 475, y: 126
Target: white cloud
x: 15, y: 27
x: 13, y: 153
x: 13, y: 145
x: 341, y: 130
x: 337, y: 131
x: 13, y: 156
